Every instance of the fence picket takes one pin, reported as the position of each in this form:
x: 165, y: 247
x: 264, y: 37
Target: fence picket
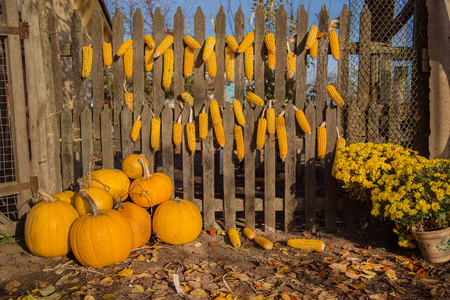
x: 310, y: 168
x: 188, y: 159
x: 106, y: 138
x: 301, y: 60
x: 98, y: 80
x: 289, y: 170
x: 87, y: 155
x: 126, y: 123
x: 229, y: 159
x: 118, y: 76
x: 249, y: 161
x: 146, y: 117
x: 239, y: 74
x: 68, y: 176
x: 220, y: 53
x: 330, y: 182
x: 78, y: 89
x: 208, y: 177
x: 138, y: 62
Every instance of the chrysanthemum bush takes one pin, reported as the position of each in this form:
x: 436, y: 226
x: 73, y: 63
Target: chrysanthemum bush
x: 403, y: 187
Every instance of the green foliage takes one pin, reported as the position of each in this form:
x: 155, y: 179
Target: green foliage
x: 5, y: 238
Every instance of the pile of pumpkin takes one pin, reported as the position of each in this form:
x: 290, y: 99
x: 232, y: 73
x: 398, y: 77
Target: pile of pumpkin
x: 100, y: 226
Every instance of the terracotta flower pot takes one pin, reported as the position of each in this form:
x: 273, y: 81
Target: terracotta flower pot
x: 434, y: 245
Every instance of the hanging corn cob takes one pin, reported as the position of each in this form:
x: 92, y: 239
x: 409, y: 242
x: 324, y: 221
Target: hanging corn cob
x: 211, y: 65
x: 128, y: 97
x: 229, y: 63
x: 247, y: 41
x: 177, y: 132
x: 87, y: 61
x: 321, y: 141
x: 312, y: 35
x: 290, y: 65
x: 265, y: 243
x: 163, y: 46
x: 149, y: 41
x: 125, y: 45
x: 220, y: 134
x: 334, y: 45
x: 187, y: 98
x: 203, y: 124
x: 155, y: 133
x: 168, y: 69
x: 239, y: 138
x: 281, y: 135
x: 248, y: 63
x: 189, y: 55
x: 261, y: 131
x: 271, y: 61
x: 270, y: 116
x: 255, y: 99
x: 301, y: 120
x: 190, y: 132
x: 233, y: 234
x: 249, y: 233
x: 135, y: 129
x: 128, y: 62
x: 334, y: 95
x: 340, y: 143
x: 231, y: 41
x: 215, y: 111
x: 306, y: 244
x: 269, y: 40
x: 107, y: 54
x: 314, y: 49
x: 238, y: 113
x: 209, y: 47
x: 191, y: 42
x: 148, y: 58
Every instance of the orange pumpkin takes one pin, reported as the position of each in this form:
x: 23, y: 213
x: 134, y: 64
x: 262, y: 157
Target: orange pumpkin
x: 132, y: 167
x: 151, y: 189
x: 140, y: 221
x: 114, y: 181
x: 66, y: 196
x: 103, y: 200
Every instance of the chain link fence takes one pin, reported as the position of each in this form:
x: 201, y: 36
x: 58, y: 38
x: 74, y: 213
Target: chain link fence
x: 383, y: 98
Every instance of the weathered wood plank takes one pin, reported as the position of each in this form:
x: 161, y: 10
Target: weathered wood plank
x: 208, y: 177
x: 118, y: 72
x: 260, y: 56
x: 68, y: 176
x: 199, y: 65
x: 239, y: 73
x: 322, y: 67
x: 78, y: 86
x: 188, y: 159
x: 138, y: 62
x: 178, y: 49
x: 249, y: 160
x: 310, y: 169
x: 220, y: 29
x: 126, y: 124
x: 290, y: 170
x: 280, y: 68
x: 301, y: 60
x: 228, y: 168
x: 87, y: 153
x: 98, y: 81
x: 146, y: 149
x: 106, y: 138
x: 330, y: 181
x: 167, y: 143
x: 158, y: 91
x: 343, y: 64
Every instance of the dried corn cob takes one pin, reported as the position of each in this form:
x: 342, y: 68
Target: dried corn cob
x: 269, y: 40
x: 191, y: 42
x: 233, y: 234
x: 163, y: 46
x: 239, y: 137
x: 314, y: 49
x: 230, y: 58
x: 321, y: 141
x: 290, y: 65
x: 128, y: 62
x: 306, y: 244
x: 271, y: 61
x: 334, y: 45
x: 135, y: 129
x: 340, y: 143
x: 255, y: 99
x: 247, y: 41
x: 312, y: 35
x: 187, y: 98
x: 87, y: 61
x: 203, y: 124
x: 249, y: 233
x: 215, y: 112
x: 281, y: 135
x: 211, y: 65
x: 155, y: 133
x: 265, y: 243
x: 238, y: 113
x: 190, y: 133
x: 261, y: 133
x: 168, y: 69
x: 125, y: 45
x: 209, y: 47
x: 178, y: 131
x: 189, y: 55
x: 270, y: 116
x: 220, y: 134
x: 107, y: 54
x: 148, y: 58
x: 149, y: 41
x: 334, y: 95
x: 248, y: 64
x: 128, y: 97
x: 231, y: 41
x: 301, y: 120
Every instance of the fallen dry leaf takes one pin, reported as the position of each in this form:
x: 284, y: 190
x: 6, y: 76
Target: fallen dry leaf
x: 137, y: 289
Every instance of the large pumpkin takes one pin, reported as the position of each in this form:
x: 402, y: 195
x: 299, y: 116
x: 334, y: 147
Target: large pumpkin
x: 132, y: 167
x: 140, y: 221
x: 103, y: 200
x: 47, y: 227
x: 151, y: 189
x: 100, y: 239
x: 114, y: 181
x: 177, y: 221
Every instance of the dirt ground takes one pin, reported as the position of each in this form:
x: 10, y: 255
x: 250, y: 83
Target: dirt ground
x: 346, y: 269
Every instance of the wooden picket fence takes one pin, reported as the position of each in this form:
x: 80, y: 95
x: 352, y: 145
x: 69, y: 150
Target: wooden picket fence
x: 100, y: 132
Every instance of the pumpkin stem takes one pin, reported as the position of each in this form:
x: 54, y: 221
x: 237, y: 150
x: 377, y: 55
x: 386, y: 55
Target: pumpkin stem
x: 46, y: 196
x: 94, y: 208
x: 177, y: 200
x: 145, y: 168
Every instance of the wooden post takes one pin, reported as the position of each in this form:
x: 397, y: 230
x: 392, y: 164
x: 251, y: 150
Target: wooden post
x: 118, y: 73
x: 98, y: 82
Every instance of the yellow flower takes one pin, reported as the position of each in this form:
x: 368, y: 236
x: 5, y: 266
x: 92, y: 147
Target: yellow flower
x: 435, y: 206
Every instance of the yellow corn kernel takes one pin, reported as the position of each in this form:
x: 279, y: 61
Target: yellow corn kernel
x: 168, y: 69
x: 334, y: 45
x: 250, y: 234
x: 271, y: 61
x: 220, y: 134
x: 107, y: 54
x: 248, y: 62
x: 301, y: 120
x: 177, y: 133
x: 312, y: 35
x: 269, y: 40
x: 247, y: 41
x: 128, y: 97
x: 282, y: 137
x: 189, y: 55
x: 203, y: 125
x: 191, y: 42
x: 209, y: 47
x: 290, y: 65
x: 321, y: 141
x: 149, y: 41
x: 190, y: 134
x: 239, y: 137
x: 255, y: 99
x: 340, y: 144
x: 306, y: 244
x: 155, y: 133
x: 230, y: 58
x: 148, y: 58
x: 265, y: 243
x: 238, y: 112
x: 314, y: 49
x: 87, y: 61
x: 128, y: 62
x: 215, y: 112
x: 233, y: 234
x: 136, y: 129
x: 163, y: 46
x: 231, y: 41
x: 187, y: 98
x: 261, y: 133
x: 211, y: 65
x: 334, y: 95
x: 125, y: 45
x: 270, y: 116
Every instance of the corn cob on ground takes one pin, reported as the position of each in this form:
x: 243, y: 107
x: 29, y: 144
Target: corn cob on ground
x: 263, y: 242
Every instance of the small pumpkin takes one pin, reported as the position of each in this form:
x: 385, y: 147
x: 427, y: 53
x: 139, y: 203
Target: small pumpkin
x: 132, y: 167
x: 103, y: 200
x: 114, y: 181
x: 47, y: 226
x: 177, y: 221
x: 150, y: 189
x: 102, y: 238
x: 140, y: 221
x: 66, y: 196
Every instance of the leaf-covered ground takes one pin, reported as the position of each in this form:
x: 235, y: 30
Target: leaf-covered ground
x: 210, y: 267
